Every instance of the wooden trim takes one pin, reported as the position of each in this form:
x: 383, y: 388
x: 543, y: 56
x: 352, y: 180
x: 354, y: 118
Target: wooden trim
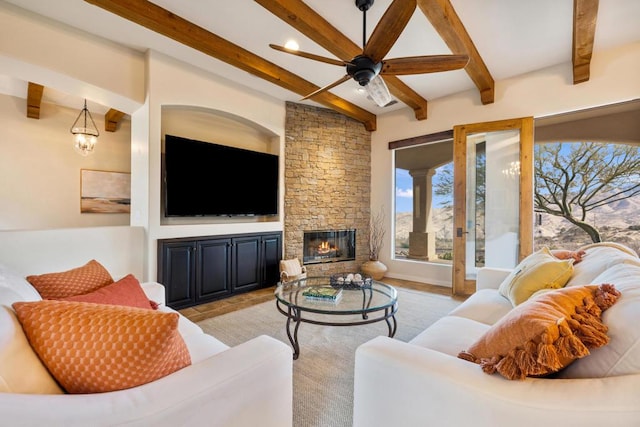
x: 306, y: 20
x: 461, y: 285
x: 34, y: 100
x: 111, y: 119
x: 164, y: 22
x: 459, y: 207
x: 445, y: 20
x: 585, y: 13
x: 422, y: 139
x: 526, y: 187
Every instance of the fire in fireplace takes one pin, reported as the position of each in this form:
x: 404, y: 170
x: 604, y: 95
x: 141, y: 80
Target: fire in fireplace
x: 329, y: 246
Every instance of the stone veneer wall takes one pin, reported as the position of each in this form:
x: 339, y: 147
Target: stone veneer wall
x: 327, y: 181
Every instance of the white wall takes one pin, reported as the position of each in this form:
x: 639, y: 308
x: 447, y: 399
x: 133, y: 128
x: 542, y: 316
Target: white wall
x: 614, y: 78
x: 40, y: 170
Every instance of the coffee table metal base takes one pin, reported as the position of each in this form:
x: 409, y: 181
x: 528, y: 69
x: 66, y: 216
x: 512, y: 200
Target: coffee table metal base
x: 294, y: 318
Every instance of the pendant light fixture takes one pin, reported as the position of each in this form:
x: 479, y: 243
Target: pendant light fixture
x: 85, y: 137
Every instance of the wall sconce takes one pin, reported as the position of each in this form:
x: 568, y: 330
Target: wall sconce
x: 85, y: 137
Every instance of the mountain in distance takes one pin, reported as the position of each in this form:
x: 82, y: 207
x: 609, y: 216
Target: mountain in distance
x: 617, y: 222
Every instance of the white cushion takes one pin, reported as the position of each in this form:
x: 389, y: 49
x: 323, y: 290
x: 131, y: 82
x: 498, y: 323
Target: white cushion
x: 621, y: 356
x: 485, y: 306
x: 598, y: 258
x: 203, y: 346
x: 18, y: 284
x: 20, y: 368
x: 450, y: 335
x: 200, y: 345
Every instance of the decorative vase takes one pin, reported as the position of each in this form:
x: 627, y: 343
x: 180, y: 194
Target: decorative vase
x: 375, y: 269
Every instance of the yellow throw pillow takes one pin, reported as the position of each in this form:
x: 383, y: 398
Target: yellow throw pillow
x: 546, y: 333
x: 77, y: 281
x: 540, y: 270
x: 94, y: 348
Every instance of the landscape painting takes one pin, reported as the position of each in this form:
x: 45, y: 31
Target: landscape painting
x: 105, y: 192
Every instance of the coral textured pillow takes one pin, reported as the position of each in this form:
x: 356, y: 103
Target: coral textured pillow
x: 93, y: 348
x: 126, y: 291
x: 540, y: 270
x: 546, y: 333
x: 76, y: 281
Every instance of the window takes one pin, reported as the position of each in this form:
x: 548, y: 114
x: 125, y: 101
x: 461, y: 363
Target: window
x: 586, y: 192
x: 424, y: 202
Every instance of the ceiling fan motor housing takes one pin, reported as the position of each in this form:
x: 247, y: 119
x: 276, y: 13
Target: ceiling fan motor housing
x: 364, y: 5
x: 363, y: 69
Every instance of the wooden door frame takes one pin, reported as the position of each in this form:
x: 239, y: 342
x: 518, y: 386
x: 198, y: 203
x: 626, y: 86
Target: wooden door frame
x: 460, y: 284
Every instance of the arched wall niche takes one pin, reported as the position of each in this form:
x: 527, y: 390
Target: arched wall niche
x: 219, y: 127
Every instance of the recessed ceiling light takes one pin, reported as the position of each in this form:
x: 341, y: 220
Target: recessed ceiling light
x: 292, y: 44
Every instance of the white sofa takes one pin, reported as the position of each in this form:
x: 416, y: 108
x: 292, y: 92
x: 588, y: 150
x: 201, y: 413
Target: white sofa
x: 249, y: 384
x: 424, y: 383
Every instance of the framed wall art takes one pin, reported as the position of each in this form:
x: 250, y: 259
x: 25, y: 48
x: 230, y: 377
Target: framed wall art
x: 105, y: 191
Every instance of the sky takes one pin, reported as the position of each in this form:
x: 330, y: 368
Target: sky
x: 404, y: 191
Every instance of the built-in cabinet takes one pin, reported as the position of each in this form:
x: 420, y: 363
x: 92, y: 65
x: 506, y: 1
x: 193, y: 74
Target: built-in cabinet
x: 197, y: 270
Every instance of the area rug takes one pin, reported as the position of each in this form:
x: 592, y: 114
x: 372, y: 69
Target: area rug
x: 323, y: 373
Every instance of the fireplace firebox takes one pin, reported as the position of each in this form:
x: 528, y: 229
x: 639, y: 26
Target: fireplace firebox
x: 329, y: 246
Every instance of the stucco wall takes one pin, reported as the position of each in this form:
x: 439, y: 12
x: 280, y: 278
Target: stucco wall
x: 40, y: 170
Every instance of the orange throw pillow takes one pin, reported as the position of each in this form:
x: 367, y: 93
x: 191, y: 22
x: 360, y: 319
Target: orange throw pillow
x: 545, y: 333
x: 94, y: 348
x: 76, y: 281
x: 126, y: 291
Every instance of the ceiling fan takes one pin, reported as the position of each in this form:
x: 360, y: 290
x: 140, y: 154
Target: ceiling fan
x: 368, y: 67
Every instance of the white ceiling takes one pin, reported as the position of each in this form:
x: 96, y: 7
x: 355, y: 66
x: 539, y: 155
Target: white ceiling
x: 513, y: 37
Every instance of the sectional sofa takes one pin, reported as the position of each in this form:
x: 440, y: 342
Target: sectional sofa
x: 429, y: 381
x: 249, y: 384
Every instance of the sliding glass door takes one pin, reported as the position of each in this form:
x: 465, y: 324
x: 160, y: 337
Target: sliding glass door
x: 493, y: 197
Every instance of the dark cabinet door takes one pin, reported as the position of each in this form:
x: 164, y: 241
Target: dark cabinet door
x: 213, y: 275
x: 202, y: 269
x: 178, y: 273
x: 246, y: 263
x: 271, y: 256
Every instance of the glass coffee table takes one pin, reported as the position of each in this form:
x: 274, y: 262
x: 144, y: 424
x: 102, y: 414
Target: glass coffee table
x: 356, y: 305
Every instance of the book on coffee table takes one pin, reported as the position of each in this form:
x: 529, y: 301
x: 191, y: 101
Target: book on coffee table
x: 322, y: 293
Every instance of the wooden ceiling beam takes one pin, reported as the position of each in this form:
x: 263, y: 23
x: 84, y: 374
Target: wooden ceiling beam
x: 34, y: 99
x: 111, y: 119
x: 306, y: 20
x: 585, y: 13
x: 164, y: 22
x: 445, y: 20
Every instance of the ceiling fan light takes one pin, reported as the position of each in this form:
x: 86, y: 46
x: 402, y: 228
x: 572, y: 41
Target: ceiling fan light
x: 292, y: 45
x: 378, y: 91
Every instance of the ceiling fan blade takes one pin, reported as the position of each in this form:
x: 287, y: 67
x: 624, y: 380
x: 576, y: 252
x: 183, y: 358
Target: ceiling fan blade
x: 423, y: 64
x: 327, y: 87
x: 309, y: 55
x: 389, y: 28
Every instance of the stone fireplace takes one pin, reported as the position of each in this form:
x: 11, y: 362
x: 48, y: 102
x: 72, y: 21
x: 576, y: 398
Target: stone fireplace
x: 328, y: 246
x: 327, y: 181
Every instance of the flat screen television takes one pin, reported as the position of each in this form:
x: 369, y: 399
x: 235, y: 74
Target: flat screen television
x: 206, y: 179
